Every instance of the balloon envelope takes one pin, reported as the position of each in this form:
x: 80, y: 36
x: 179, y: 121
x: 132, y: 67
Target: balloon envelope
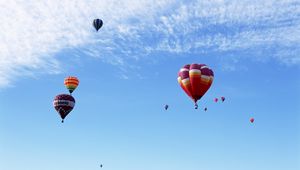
x: 63, y: 104
x: 195, y: 80
x: 216, y: 100
x: 97, y: 24
x: 223, y: 99
x: 252, y: 120
x: 71, y: 83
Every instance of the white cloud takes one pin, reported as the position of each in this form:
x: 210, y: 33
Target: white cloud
x: 32, y: 31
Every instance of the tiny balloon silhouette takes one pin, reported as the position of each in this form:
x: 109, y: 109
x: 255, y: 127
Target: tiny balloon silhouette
x: 205, y: 109
x: 166, y: 107
x: 216, y: 99
x: 223, y: 98
x: 252, y: 120
x: 97, y: 24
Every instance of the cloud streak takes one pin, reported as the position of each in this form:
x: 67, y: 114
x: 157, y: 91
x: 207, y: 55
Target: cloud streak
x: 33, y: 32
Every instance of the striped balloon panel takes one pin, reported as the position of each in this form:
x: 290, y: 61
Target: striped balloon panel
x: 64, y: 104
x: 184, y: 81
x: 195, y: 80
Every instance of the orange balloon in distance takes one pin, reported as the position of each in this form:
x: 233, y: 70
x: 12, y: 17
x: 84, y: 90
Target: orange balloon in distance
x: 71, y: 83
x: 195, y: 80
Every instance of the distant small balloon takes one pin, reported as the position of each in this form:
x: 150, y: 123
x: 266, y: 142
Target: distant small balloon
x: 71, y: 83
x: 166, y: 107
x: 97, y: 24
x: 252, y: 120
x: 205, y: 109
x: 223, y: 99
x: 216, y: 99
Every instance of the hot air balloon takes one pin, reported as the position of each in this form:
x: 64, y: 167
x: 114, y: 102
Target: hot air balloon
x: 63, y: 104
x: 216, y: 100
x: 97, y: 24
x: 252, y: 120
x: 101, y: 166
x: 223, y: 99
x: 166, y: 107
x: 205, y: 109
x: 71, y: 83
x: 195, y: 80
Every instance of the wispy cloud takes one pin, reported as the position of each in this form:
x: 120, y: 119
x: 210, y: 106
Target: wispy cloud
x: 32, y: 32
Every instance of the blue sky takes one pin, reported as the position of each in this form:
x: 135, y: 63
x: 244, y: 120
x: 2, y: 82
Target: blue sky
x: 128, y: 72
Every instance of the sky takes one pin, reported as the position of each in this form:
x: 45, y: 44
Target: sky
x: 128, y: 72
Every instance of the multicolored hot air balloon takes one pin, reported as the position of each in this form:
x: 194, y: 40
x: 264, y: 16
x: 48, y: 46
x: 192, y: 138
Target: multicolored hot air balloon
x: 252, y: 120
x: 71, y: 83
x: 223, y: 98
x: 97, y: 24
x: 216, y: 99
x: 195, y: 80
x: 63, y: 104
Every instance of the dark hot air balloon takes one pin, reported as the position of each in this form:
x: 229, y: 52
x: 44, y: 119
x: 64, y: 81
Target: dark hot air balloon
x: 97, y: 24
x: 216, y: 99
x: 63, y: 104
x: 252, y: 120
x: 223, y: 98
x: 195, y: 80
x: 166, y: 107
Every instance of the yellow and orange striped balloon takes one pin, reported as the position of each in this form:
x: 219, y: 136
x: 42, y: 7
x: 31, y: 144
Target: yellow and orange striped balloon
x: 71, y: 83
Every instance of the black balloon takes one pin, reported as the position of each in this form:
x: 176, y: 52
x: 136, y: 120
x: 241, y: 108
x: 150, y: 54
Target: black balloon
x: 97, y: 24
